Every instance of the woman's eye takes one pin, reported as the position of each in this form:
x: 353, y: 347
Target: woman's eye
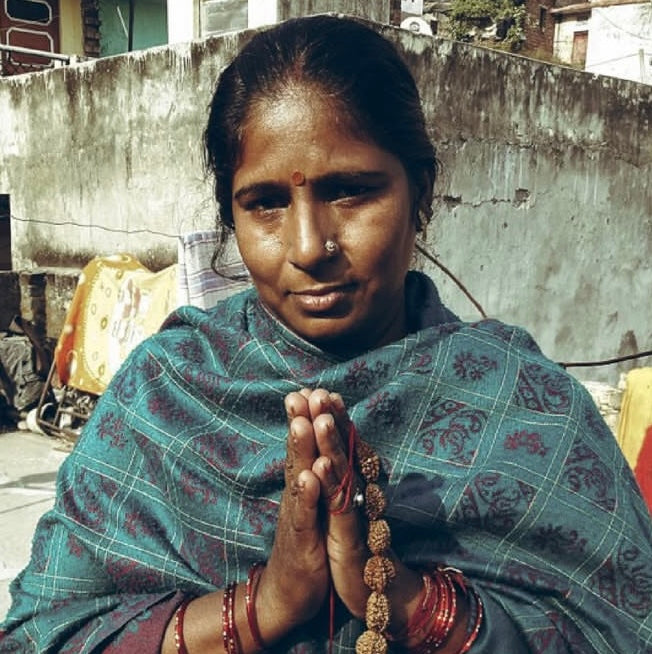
x: 352, y: 192
x: 265, y: 204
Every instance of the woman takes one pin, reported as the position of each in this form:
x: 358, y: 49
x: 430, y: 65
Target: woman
x: 334, y: 446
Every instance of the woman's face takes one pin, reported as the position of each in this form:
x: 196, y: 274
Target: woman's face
x: 305, y: 177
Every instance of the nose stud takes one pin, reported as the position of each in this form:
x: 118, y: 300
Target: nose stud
x: 331, y: 247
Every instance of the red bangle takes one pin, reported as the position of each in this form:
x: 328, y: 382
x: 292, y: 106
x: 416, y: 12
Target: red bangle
x: 474, y: 630
x: 230, y: 635
x: 179, y: 614
x: 250, y: 602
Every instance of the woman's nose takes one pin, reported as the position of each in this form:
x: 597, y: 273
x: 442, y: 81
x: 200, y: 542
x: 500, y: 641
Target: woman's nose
x: 307, y: 233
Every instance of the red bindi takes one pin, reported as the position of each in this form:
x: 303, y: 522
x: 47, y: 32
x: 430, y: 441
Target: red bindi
x: 298, y: 178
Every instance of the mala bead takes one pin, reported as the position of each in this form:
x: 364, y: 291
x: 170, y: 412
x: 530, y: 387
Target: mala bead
x: 378, y: 572
x: 371, y: 642
x: 377, y: 613
x: 379, y: 537
x: 369, y: 462
x: 375, y: 501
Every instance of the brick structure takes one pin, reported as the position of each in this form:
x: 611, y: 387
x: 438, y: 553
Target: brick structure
x: 91, y: 26
x: 540, y: 27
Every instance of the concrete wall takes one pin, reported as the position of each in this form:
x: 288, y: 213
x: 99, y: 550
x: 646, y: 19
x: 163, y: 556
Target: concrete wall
x: 544, y: 207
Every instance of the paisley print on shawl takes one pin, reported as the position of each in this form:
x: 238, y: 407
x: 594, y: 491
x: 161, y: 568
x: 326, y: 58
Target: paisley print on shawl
x: 451, y: 430
x: 165, y: 407
x: 529, y: 442
x: 190, y: 350
x: 222, y: 451
x: 558, y: 540
x: 75, y: 547
x: 360, y: 376
x: 132, y: 576
x: 195, y: 487
x: 205, y: 554
x: 524, y: 575
x: 131, y: 632
x: 539, y: 389
x: 261, y: 514
x: 495, y: 502
x: 385, y: 410
x: 596, y: 425
x: 471, y: 367
x: 111, y: 428
x: 129, y: 380
x: 586, y: 474
x: 562, y: 637
x: 625, y: 579
x: 152, y: 470
x: 421, y: 363
x: 82, y: 503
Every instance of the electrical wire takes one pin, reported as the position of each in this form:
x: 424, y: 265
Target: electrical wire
x: 600, y: 11
x: 423, y: 249
x: 420, y: 246
x: 606, y: 362
x: 93, y: 226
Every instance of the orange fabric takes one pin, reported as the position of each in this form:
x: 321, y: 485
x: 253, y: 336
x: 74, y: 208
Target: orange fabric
x: 118, y: 302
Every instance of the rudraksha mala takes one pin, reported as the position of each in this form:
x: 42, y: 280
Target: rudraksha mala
x: 379, y: 569
x: 434, y: 618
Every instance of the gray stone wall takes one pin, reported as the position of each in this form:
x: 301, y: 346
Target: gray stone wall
x: 543, y: 207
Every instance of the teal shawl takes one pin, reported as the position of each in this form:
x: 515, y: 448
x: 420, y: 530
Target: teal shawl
x: 495, y: 461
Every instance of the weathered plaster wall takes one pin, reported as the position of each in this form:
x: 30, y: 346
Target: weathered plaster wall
x: 544, y: 206
x: 545, y: 202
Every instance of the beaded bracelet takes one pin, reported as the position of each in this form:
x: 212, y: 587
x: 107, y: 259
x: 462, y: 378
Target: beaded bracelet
x: 179, y: 614
x: 230, y: 635
x: 250, y: 602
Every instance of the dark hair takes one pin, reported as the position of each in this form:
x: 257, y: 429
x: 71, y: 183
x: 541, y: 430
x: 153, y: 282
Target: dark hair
x: 352, y: 63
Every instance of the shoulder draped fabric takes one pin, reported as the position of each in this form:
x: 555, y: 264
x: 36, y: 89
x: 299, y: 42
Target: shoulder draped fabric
x: 496, y: 461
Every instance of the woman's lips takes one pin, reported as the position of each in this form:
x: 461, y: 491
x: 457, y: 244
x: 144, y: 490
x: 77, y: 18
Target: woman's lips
x: 322, y: 299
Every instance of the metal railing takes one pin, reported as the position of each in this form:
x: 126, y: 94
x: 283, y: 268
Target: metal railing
x: 15, y: 60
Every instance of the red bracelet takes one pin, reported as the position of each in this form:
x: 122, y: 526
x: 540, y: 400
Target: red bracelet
x: 179, y: 614
x: 422, y: 615
x: 477, y: 609
x: 230, y: 635
x: 250, y: 602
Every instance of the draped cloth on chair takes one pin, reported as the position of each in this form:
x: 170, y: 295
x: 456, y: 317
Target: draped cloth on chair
x: 635, y: 427
x: 118, y: 302
x: 199, y: 284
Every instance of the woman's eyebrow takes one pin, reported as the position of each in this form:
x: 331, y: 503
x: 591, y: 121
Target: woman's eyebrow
x: 350, y: 177
x: 258, y: 188
x: 322, y: 181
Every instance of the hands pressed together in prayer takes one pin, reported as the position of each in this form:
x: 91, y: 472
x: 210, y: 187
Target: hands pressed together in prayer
x: 321, y: 536
x: 319, y: 541
x: 320, y: 547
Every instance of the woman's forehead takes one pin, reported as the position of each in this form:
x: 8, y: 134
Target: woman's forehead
x: 290, y: 105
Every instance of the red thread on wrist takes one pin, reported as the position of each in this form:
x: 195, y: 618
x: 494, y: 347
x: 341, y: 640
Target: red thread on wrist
x: 346, y: 484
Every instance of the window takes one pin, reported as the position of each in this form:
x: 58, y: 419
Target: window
x: 30, y: 11
x: 543, y: 12
x: 220, y: 16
